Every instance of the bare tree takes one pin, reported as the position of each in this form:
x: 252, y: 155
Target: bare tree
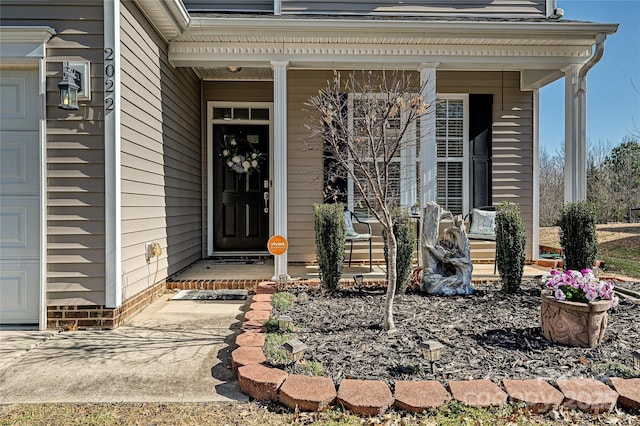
x: 598, y: 178
x: 387, y: 105
x: 551, y: 186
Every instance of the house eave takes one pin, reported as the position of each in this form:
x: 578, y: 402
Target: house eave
x: 169, y: 17
x: 285, y: 27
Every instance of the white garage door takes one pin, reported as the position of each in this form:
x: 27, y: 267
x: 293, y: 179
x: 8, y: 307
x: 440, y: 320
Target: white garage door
x: 19, y: 197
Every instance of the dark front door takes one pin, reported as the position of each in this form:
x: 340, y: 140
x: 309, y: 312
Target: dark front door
x: 241, y: 215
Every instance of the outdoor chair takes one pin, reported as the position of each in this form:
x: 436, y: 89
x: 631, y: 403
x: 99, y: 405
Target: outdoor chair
x: 353, y: 236
x: 482, y: 226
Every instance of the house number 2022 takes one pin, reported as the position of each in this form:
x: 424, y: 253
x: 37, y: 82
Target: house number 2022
x: 109, y: 83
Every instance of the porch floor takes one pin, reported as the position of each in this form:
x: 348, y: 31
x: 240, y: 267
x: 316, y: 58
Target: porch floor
x: 207, y: 269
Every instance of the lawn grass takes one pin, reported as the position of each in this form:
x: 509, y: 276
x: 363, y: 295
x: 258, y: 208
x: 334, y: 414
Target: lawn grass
x: 267, y: 414
x: 618, y: 247
x: 621, y: 260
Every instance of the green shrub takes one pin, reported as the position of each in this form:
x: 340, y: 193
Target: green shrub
x: 406, y: 239
x: 510, y: 245
x: 282, y: 301
x: 578, y: 235
x: 309, y: 368
x: 272, y: 325
x: 331, y: 230
x: 273, y: 349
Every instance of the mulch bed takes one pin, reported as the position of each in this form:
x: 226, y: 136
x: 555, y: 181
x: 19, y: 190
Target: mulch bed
x: 486, y: 335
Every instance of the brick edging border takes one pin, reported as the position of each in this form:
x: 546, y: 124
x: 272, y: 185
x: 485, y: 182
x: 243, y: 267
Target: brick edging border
x: 260, y: 380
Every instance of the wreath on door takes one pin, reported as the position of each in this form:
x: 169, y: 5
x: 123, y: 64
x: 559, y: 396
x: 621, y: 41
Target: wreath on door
x: 241, y: 157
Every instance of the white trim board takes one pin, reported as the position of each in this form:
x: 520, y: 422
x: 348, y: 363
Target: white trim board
x: 26, y: 46
x: 112, y: 161
x: 210, y: 250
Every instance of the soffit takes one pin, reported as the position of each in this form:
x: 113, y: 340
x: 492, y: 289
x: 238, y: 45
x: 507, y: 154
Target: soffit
x: 169, y: 17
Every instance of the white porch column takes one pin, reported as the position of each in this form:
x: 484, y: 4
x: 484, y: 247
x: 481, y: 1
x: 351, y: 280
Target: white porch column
x: 280, y: 160
x: 428, y: 134
x: 575, y: 144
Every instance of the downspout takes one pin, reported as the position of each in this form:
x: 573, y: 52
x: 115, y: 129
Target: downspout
x: 581, y: 153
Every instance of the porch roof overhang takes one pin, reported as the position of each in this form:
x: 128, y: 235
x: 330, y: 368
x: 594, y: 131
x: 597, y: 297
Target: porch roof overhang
x: 539, y: 48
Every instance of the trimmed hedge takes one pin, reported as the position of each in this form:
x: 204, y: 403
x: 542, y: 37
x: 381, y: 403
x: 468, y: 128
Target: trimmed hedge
x: 510, y: 245
x: 578, y: 236
x: 331, y: 231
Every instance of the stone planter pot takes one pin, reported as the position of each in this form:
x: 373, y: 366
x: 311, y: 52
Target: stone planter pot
x: 573, y: 323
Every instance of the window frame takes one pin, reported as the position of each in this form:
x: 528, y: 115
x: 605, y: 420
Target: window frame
x: 464, y: 160
x: 410, y: 158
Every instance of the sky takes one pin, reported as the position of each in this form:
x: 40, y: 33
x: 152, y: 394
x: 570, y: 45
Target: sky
x: 613, y: 85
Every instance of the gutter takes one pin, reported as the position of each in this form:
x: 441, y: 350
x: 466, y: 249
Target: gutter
x: 595, y: 58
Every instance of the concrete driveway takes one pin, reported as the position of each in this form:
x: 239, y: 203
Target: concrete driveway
x: 172, y: 351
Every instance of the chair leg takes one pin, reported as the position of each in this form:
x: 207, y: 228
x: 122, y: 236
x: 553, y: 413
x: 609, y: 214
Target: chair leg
x: 370, y: 257
x: 350, y: 252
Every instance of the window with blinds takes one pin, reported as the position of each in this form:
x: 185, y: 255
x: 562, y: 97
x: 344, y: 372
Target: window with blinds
x: 403, y: 170
x: 452, y: 153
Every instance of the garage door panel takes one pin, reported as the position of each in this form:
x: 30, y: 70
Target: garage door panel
x: 21, y: 108
x: 18, y: 218
x: 19, y: 165
x: 16, y: 293
x: 19, y: 100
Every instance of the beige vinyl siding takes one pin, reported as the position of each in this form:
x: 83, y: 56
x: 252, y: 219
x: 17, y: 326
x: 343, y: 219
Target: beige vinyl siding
x: 160, y: 157
x: 75, y: 154
x: 227, y: 91
x: 512, y: 135
x: 529, y: 8
x: 305, y: 163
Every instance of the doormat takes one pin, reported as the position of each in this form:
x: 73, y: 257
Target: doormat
x: 237, y: 262
x: 240, y: 294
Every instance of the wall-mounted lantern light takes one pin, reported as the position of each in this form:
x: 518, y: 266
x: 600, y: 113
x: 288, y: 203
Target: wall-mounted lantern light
x: 75, y: 85
x: 69, y: 86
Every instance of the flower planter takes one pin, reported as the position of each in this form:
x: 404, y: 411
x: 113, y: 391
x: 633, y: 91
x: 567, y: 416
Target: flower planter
x: 574, y: 323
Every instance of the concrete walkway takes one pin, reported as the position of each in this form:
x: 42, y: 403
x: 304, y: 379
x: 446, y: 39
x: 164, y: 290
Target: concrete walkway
x: 172, y: 351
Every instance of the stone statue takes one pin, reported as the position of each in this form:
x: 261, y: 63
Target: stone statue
x: 447, y: 261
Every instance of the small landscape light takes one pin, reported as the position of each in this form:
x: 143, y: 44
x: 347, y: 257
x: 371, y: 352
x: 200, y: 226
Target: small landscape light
x: 358, y: 281
x: 431, y: 350
x: 284, y: 322
x: 295, y: 348
x: 636, y: 359
x: 282, y: 281
x: 303, y: 298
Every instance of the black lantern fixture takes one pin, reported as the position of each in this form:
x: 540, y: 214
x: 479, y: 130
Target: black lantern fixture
x: 69, y: 87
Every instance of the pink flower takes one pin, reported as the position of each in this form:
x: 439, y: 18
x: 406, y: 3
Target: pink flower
x: 560, y: 295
